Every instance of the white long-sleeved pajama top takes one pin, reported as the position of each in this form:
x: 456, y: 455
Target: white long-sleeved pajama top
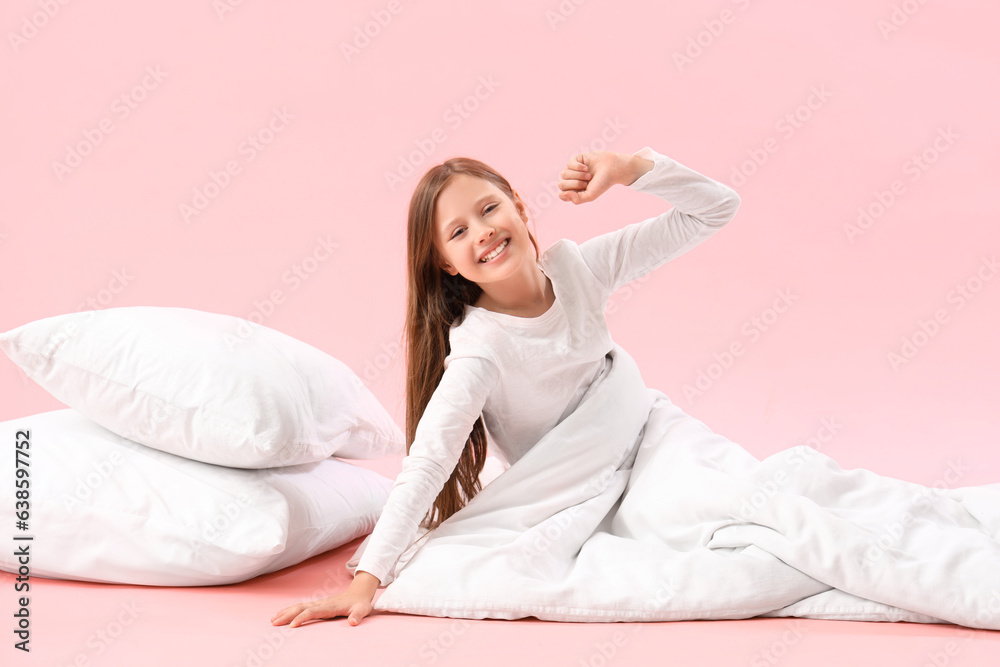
x: 525, y: 374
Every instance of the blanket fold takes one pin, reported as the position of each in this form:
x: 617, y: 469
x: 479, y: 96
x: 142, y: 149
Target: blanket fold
x: 631, y: 510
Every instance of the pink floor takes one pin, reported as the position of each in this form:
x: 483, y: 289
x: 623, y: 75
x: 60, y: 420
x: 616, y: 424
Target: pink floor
x: 110, y: 625
x: 101, y: 625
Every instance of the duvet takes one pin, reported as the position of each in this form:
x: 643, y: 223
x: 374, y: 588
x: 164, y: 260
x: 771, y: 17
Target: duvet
x: 631, y: 510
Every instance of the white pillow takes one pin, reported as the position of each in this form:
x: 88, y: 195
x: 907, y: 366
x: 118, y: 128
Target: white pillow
x: 206, y: 386
x: 105, y: 509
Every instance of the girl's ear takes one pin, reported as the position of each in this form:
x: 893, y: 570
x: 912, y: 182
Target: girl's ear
x: 522, y: 210
x: 442, y: 263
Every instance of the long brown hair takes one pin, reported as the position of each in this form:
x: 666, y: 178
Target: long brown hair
x: 435, y: 298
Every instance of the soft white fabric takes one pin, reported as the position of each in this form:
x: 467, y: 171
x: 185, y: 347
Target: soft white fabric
x: 526, y: 374
x: 106, y: 509
x: 620, y: 507
x: 632, y: 510
x: 206, y: 386
x: 493, y: 467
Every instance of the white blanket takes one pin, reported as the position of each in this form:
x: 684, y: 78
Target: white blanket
x: 647, y: 515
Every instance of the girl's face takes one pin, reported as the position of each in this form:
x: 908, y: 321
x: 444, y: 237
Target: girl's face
x: 473, y: 219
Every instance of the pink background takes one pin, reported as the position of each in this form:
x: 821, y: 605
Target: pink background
x: 810, y: 111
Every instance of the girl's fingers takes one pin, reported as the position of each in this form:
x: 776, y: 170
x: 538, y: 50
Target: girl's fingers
x: 285, y: 614
x: 572, y: 184
x: 304, y: 615
x: 578, y: 175
x: 574, y: 179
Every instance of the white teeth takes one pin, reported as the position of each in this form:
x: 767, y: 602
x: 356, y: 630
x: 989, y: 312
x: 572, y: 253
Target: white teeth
x: 495, y: 252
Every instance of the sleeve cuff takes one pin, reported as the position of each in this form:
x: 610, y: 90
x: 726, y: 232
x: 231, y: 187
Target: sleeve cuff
x: 659, y: 164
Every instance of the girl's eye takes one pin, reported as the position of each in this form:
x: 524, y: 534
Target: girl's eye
x: 488, y: 209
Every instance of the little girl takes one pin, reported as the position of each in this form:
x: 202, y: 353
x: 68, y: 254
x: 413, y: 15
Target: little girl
x: 503, y: 339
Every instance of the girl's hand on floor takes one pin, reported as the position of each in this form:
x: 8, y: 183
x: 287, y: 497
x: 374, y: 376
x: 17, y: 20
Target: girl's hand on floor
x: 351, y: 603
x: 589, y: 175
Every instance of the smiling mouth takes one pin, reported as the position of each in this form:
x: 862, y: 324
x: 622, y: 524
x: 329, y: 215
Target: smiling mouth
x: 496, y: 253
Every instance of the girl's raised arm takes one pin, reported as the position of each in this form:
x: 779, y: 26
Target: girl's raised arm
x: 701, y: 207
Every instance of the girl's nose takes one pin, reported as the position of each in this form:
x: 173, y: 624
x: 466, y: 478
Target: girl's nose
x: 485, y: 232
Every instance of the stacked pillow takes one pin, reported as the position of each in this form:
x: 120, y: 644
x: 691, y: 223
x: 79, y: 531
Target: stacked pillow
x: 197, y: 450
